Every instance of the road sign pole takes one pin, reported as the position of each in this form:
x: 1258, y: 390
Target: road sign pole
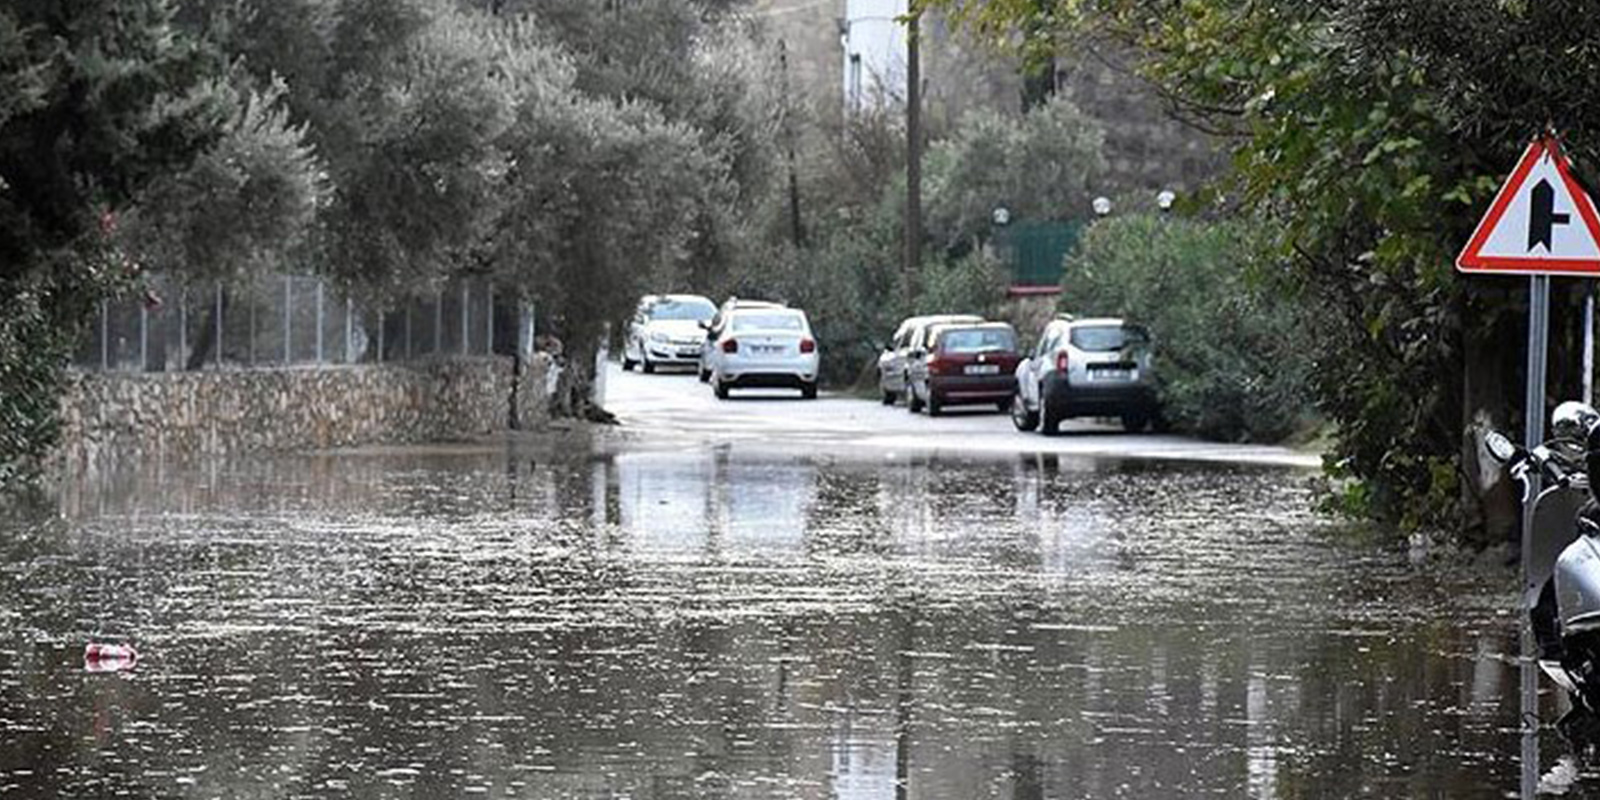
x: 1588, y: 341
x: 1538, y: 345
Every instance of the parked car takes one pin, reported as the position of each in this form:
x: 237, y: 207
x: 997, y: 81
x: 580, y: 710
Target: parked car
x: 665, y: 331
x: 964, y: 364
x: 764, y: 348
x: 894, y: 364
x: 713, y: 329
x: 1083, y: 368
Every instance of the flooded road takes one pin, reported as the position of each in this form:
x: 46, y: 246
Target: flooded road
x: 736, y: 621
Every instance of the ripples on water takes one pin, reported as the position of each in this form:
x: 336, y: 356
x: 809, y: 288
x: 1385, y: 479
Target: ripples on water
x: 731, y: 622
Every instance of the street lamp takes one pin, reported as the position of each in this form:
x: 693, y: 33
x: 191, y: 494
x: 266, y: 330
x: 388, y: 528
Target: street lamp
x: 1102, y: 206
x: 1165, y: 199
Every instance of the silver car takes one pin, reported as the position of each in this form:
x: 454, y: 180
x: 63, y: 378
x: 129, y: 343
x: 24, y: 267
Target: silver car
x: 764, y: 348
x: 1086, y: 368
x: 909, y: 343
x: 666, y: 331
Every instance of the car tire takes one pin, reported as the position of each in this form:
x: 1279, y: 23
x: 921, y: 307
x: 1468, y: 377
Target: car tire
x: 705, y: 375
x: 889, y: 397
x: 1049, y: 416
x: 719, y: 389
x: 1135, y: 421
x: 627, y: 364
x: 935, y: 406
x: 1024, y: 418
x: 649, y: 368
x: 808, y: 391
x: 913, y: 402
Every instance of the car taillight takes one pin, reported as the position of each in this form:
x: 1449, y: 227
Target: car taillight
x: 808, y: 345
x: 730, y: 346
x: 937, y: 365
x: 1061, y: 361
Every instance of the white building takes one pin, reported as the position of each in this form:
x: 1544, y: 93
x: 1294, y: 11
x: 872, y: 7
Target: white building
x: 874, y: 43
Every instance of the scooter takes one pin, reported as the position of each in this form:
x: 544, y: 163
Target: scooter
x: 1562, y: 591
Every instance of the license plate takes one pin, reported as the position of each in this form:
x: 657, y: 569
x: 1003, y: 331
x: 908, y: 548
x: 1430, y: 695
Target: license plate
x: 688, y: 353
x: 767, y: 349
x: 1111, y: 374
x: 983, y: 369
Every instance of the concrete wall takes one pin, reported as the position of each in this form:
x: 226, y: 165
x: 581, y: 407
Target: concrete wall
x: 177, y: 414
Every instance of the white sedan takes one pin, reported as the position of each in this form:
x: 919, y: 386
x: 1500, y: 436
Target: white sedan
x: 764, y: 348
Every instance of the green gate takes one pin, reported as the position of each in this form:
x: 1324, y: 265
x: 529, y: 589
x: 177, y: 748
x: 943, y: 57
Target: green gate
x: 1037, y: 249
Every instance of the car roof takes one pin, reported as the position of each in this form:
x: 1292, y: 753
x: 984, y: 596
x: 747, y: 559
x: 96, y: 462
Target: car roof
x: 682, y: 298
x: 734, y: 303
x: 934, y: 319
x: 974, y: 326
x: 1096, y: 322
x: 766, y: 308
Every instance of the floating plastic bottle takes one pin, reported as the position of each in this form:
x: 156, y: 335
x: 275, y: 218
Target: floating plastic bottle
x: 99, y: 657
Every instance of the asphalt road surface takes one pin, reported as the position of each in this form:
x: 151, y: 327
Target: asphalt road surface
x: 676, y: 404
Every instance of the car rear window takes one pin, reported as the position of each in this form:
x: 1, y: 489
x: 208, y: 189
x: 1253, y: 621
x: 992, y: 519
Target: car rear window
x: 1105, y: 338
x: 977, y: 340
x: 674, y: 309
x: 769, y: 322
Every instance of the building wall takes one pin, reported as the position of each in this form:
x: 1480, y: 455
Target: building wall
x: 113, y: 416
x: 873, y: 44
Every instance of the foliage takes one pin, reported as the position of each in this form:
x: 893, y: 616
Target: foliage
x: 1039, y: 165
x: 98, y: 100
x: 1228, y: 354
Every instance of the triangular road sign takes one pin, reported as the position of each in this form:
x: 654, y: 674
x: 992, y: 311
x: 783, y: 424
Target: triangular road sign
x: 1541, y: 222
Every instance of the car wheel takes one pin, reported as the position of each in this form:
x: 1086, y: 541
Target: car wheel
x: 1135, y: 421
x: 719, y: 389
x: 913, y: 402
x: 808, y: 391
x: 889, y: 397
x: 649, y: 368
x: 627, y: 364
x: 935, y: 406
x: 1049, y: 416
x: 1024, y: 418
x: 705, y: 375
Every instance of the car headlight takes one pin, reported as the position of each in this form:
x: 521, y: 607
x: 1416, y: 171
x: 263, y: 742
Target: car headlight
x: 658, y: 337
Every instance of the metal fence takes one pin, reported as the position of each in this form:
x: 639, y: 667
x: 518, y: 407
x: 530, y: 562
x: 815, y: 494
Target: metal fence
x: 286, y: 320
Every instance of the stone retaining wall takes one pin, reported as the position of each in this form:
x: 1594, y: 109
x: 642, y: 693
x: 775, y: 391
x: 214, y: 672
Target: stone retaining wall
x: 177, y: 414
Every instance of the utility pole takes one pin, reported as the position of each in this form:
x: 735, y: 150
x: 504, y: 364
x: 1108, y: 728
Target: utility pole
x: 795, y: 228
x: 913, y: 221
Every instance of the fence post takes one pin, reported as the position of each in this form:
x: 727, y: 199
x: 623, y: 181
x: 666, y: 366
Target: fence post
x: 380, y: 336
x: 488, y: 333
x: 183, y: 328
x: 349, y: 331
x: 438, y: 321
x: 409, y: 352
x: 144, y: 336
x: 466, y: 297
x: 219, y: 326
x: 288, y: 318
x: 105, y: 339
x: 319, y: 319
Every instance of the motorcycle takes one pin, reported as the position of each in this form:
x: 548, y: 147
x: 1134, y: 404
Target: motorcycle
x: 1562, y: 590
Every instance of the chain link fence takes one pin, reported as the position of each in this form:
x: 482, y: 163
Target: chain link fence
x: 294, y: 320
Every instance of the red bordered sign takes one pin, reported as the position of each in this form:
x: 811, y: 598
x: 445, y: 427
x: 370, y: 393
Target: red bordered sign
x: 1541, y: 222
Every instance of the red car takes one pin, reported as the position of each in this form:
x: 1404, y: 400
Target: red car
x: 965, y: 364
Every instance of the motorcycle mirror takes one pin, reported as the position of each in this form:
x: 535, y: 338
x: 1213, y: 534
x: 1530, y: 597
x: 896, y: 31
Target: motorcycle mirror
x: 1500, y: 447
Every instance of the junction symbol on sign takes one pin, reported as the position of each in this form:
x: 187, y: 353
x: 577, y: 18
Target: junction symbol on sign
x: 1542, y: 222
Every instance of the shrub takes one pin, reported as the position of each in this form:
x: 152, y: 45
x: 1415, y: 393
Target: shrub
x: 1227, y: 355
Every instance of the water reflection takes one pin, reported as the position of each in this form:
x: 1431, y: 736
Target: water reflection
x: 585, y: 621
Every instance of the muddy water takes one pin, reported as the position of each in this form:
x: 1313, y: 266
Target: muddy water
x: 733, y: 622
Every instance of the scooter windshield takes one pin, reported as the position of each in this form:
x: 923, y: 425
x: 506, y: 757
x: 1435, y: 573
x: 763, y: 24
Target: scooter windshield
x: 1555, y: 526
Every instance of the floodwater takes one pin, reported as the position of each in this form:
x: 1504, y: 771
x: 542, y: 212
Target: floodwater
x: 730, y: 621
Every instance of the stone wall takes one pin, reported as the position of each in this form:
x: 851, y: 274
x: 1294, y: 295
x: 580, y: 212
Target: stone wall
x: 178, y: 414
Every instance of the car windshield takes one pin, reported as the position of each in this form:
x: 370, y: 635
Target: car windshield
x: 697, y: 310
x: 1106, y: 338
x: 977, y: 340
x: 769, y: 322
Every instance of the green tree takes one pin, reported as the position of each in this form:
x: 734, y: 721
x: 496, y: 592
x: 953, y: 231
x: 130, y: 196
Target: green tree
x: 98, y: 100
